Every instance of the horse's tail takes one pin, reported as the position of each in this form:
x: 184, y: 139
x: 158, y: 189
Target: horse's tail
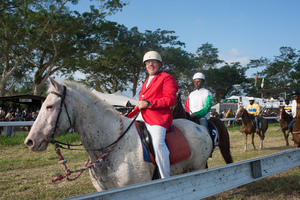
x: 224, y: 141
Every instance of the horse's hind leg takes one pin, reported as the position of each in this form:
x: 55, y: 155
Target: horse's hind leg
x: 261, y: 144
x: 261, y: 141
x: 296, y: 137
x: 286, y: 137
x: 245, y: 141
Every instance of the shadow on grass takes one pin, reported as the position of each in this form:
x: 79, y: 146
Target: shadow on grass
x: 279, y: 148
x: 279, y: 186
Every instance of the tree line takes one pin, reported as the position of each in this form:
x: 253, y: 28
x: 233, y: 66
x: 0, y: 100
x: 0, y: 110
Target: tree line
x: 41, y: 38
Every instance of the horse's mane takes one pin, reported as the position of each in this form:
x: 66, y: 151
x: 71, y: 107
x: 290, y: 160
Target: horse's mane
x: 84, y: 93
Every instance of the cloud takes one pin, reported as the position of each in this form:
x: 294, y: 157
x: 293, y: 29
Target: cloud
x: 200, y: 21
x: 234, y: 55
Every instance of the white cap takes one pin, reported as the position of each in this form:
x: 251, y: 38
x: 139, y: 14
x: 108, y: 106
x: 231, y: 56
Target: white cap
x: 251, y: 99
x: 152, y: 55
x: 198, y: 75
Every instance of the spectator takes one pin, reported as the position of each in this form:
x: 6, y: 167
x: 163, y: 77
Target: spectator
x: 18, y: 114
x: 33, y: 116
x: 2, y: 112
x: 8, y: 116
x: 25, y: 114
x: 223, y: 114
x: 228, y: 115
x: 280, y: 98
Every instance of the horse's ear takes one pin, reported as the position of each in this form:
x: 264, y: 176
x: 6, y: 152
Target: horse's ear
x: 57, y: 86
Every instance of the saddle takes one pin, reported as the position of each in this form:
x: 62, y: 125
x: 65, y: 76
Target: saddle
x: 175, y: 140
x: 258, y: 122
x: 213, y: 132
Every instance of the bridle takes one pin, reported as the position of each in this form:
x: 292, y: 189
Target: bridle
x: 62, y: 103
x: 242, y: 111
x: 89, y: 164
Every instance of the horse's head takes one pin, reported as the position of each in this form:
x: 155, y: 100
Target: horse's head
x: 239, y: 111
x: 177, y: 109
x: 52, y: 120
x: 281, y: 112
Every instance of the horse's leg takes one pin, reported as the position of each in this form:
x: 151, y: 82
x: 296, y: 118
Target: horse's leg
x: 245, y: 141
x: 261, y: 142
x: 252, y: 140
x: 296, y: 138
x: 285, y: 137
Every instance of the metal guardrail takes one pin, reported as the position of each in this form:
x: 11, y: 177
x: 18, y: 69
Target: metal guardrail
x: 234, y: 119
x: 17, y: 123
x: 30, y: 123
x: 204, y: 183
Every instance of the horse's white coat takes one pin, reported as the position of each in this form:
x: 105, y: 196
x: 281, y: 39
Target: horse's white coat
x: 98, y: 125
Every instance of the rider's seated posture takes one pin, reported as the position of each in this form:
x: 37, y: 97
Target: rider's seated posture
x: 157, y: 95
x: 288, y: 108
x: 199, y: 102
x: 296, y: 96
x: 253, y: 109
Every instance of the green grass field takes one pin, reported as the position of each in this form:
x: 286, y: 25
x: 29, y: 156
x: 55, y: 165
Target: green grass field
x: 27, y: 175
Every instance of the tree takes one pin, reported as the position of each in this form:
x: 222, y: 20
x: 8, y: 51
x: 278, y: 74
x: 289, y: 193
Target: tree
x: 207, y: 57
x: 225, y: 81
x: 44, y: 37
x: 280, y: 72
x: 181, y: 65
x: 121, y: 63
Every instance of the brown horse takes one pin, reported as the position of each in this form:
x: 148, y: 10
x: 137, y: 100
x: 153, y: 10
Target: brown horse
x: 296, y: 129
x: 248, y: 127
x: 284, y: 120
x: 224, y: 142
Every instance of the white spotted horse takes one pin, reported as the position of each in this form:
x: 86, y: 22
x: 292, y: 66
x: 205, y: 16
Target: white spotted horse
x: 114, y: 147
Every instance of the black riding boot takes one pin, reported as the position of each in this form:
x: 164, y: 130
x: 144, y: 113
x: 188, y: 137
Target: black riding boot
x: 256, y: 125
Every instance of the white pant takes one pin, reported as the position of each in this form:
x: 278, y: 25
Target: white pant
x: 158, y: 134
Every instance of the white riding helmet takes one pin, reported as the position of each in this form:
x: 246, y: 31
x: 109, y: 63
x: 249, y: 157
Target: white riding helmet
x: 198, y: 75
x: 152, y: 55
x: 251, y: 99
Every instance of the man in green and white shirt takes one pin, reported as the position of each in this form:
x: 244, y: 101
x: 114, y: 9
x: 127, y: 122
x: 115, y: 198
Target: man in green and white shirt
x: 200, y: 100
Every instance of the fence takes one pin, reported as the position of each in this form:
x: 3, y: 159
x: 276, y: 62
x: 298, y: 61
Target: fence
x: 8, y: 126
x: 204, y: 183
x: 17, y: 123
x: 30, y: 123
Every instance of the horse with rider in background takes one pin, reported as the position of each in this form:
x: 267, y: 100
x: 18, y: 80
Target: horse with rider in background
x: 284, y: 120
x: 294, y: 125
x: 249, y: 126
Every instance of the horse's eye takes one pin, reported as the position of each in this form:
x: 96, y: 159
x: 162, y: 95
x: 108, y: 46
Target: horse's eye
x: 49, y: 107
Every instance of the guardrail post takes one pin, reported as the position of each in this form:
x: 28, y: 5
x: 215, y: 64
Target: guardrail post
x: 256, y: 169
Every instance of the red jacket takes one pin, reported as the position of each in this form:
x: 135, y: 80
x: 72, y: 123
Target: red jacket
x: 161, y: 93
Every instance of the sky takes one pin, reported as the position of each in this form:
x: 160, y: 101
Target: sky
x: 240, y: 29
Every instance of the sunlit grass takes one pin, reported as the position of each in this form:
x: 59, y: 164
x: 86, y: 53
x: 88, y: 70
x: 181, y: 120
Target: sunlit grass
x: 27, y: 175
